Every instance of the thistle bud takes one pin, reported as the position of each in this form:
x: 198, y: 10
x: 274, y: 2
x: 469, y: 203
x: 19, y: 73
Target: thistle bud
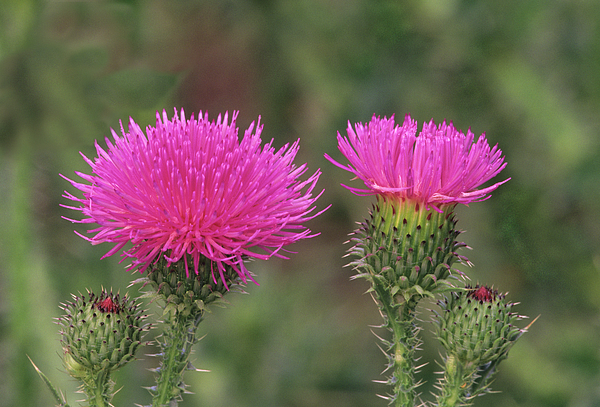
x: 477, y: 326
x: 100, y: 332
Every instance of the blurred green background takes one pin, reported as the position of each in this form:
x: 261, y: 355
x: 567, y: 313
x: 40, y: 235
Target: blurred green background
x: 525, y: 72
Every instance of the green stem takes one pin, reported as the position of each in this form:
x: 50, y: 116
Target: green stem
x: 404, y: 343
x: 176, y: 345
x: 400, y: 319
x: 456, y: 385
x: 98, y: 386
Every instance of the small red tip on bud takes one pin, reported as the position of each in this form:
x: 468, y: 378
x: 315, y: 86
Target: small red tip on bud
x: 108, y: 305
x: 483, y: 293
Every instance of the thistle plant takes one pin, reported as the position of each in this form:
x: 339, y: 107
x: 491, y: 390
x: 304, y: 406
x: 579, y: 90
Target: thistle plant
x: 407, y: 247
x: 195, y: 203
x: 189, y: 204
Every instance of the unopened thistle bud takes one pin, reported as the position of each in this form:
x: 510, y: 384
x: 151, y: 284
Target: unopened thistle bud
x: 100, y: 332
x: 477, y: 326
x: 477, y: 329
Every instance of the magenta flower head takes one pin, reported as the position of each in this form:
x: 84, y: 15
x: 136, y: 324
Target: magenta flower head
x: 418, y: 181
x: 440, y: 166
x: 189, y: 188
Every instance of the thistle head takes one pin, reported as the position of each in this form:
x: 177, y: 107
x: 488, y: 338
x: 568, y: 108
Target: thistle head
x: 100, y: 332
x: 477, y: 326
x: 190, y: 187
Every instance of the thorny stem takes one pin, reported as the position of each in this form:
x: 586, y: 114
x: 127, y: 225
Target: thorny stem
x: 456, y: 385
x: 404, y: 344
x: 176, y: 346
x: 98, y: 386
x: 400, y: 320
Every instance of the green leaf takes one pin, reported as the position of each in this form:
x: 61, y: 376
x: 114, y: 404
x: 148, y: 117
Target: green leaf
x: 58, y: 394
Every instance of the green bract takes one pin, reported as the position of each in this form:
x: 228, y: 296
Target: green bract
x: 183, y: 291
x: 407, y: 248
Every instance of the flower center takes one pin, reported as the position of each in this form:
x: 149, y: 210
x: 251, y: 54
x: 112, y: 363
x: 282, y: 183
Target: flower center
x: 483, y: 294
x: 108, y: 305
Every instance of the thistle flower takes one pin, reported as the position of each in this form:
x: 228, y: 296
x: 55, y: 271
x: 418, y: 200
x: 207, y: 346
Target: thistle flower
x: 410, y: 238
x: 191, y: 187
x: 440, y: 166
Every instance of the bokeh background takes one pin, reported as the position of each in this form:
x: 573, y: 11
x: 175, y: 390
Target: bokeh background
x: 525, y: 72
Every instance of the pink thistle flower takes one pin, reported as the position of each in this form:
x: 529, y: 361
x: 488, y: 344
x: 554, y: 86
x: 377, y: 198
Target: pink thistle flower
x: 190, y: 187
x: 440, y: 166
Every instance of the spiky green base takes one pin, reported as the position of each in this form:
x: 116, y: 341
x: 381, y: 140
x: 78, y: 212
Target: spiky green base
x: 409, y: 247
x: 406, y: 252
x: 184, y: 299
x: 96, y: 384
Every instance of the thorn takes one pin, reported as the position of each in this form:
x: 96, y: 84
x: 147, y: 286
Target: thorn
x: 388, y: 367
x: 380, y: 338
x: 528, y: 326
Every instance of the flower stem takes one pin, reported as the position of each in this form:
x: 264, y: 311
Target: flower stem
x: 176, y: 346
x: 98, y: 387
x: 399, y: 318
x: 184, y: 297
x: 456, y: 385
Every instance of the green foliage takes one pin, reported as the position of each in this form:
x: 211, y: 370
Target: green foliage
x: 58, y: 394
